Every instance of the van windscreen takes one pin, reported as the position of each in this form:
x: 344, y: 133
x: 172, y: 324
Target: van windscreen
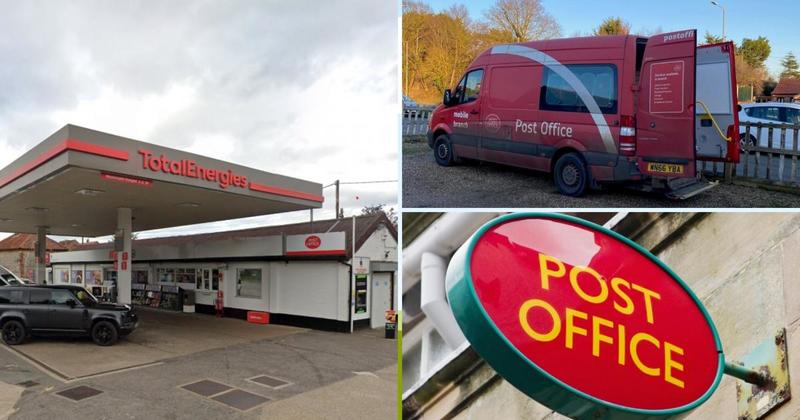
x: 599, y: 79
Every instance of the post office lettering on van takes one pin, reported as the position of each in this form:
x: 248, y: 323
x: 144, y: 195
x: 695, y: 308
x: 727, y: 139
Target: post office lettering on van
x: 678, y: 36
x: 528, y: 128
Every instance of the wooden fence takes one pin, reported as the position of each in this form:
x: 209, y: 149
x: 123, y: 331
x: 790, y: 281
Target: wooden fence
x: 773, y: 155
x: 415, y: 120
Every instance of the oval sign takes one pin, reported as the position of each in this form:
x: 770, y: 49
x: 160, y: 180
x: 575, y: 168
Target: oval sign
x: 582, y: 319
x: 313, y: 242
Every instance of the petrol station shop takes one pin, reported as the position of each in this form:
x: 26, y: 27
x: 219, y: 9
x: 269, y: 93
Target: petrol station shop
x: 298, y: 274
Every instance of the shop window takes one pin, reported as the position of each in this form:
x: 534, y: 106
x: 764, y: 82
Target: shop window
x: 61, y: 276
x: 248, y: 282
x: 76, y: 277
x: 94, y: 277
x: 140, y: 276
x: 166, y: 275
x: 185, y: 275
x: 361, y: 293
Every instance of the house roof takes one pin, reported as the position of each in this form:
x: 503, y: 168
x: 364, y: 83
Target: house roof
x: 365, y: 226
x: 26, y: 241
x: 787, y: 86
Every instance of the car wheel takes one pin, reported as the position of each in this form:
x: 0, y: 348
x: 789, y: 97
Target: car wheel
x: 571, y: 175
x: 746, y: 141
x: 14, y: 332
x: 104, y: 333
x: 443, y: 151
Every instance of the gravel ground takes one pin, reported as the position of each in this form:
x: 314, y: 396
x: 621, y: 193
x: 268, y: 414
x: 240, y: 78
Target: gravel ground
x: 426, y: 184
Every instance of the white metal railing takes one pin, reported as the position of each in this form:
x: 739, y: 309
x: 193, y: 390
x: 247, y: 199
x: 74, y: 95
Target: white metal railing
x: 415, y: 120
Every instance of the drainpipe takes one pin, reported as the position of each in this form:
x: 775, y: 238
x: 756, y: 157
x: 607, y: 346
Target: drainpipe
x: 434, y: 299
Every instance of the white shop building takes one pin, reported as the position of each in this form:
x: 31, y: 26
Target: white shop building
x: 300, y: 274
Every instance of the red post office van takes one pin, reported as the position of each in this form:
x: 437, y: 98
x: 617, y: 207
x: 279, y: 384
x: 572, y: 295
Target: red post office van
x: 594, y: 110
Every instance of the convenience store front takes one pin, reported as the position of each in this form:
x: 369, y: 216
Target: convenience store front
x: 300, y: 274
x: 82, y: 182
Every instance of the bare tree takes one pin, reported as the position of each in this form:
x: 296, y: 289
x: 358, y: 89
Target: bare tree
x: 523, y: 20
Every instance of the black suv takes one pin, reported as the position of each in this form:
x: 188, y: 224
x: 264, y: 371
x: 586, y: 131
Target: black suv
x: 61, y: 310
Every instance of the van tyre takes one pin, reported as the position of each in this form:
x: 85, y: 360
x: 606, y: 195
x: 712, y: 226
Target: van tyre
x: 571, y: 175
x: 104, y: 333
x: 14, y: 332
x: 443, y: 151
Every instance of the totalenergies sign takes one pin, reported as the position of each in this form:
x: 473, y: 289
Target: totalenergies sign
x: 583, y: 320
x: 190, y: 169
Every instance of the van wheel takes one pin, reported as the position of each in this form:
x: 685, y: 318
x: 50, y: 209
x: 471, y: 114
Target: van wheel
x: 14, y: 332
x: 443, y: 151
x: 104, y: 333
x: 570, y: 175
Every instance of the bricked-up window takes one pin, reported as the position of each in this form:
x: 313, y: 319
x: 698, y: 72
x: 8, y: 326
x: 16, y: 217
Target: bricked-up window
x: 248, y: 282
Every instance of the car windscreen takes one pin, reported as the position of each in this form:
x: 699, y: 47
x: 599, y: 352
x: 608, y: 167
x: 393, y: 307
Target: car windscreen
x: 86, y: 298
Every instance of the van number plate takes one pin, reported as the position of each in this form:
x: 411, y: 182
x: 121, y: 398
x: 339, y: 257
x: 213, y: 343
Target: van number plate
x: 665, y: 168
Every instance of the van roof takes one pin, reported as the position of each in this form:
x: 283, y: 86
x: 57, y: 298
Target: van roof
x: 586, y: 42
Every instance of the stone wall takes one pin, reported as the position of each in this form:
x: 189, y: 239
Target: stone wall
x: 11, y: 261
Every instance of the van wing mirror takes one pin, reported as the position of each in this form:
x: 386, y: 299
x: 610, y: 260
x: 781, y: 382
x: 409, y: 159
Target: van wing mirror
x: 71, y: 303
x: 448, y: 97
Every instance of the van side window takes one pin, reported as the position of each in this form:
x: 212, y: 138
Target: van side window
x: 470, y: 86
x: 599, y: 79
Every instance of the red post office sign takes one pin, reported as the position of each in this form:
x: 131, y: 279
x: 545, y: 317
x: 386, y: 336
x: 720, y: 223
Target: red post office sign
x: 582, y: 319
x: 313, y: 242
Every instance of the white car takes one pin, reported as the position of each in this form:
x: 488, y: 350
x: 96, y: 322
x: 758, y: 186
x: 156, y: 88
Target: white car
x: 8, y: 278
x: 781, y: 113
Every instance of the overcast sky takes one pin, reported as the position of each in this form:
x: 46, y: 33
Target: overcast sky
x: 301, y: 88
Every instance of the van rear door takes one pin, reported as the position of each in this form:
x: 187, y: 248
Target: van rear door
x: 665, y: 111
x: 717, y: 123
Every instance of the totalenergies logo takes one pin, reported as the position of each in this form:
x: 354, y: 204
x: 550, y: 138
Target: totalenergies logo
x: 190, y: 169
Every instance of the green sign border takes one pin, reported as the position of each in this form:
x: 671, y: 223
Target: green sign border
x: 511, y: 364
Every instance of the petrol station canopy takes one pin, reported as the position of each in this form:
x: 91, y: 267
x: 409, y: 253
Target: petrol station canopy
x: 74, y: 182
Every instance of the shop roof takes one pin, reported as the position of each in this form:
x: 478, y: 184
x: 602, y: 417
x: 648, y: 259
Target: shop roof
x: 75, y: 180
x: 365, y: 226
x: 788, y: 86
x: 26, y: 242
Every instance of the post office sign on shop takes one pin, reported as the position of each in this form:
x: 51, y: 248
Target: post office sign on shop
x: 583, y: 320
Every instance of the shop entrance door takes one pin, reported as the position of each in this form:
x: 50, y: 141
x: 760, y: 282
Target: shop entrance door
x: 207, y: 284
x: 382, y: 290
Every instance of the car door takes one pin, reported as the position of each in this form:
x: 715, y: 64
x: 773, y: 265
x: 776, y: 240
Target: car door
x: 37, y: 311
x: 64, y: 316
x: 466, y: 115
x: 665, y: 111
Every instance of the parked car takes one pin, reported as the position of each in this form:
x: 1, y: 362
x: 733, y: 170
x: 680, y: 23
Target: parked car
x: 593, y: 110
x: 409, y: 103
x: 8, y: 278
x: 61, y: 310
x: 781, y: 113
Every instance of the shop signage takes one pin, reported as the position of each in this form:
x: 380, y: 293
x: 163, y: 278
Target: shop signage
x: 313, y: 242
x: 191, y: 169
x: 127, y: 179
x: 330, y: 243
x: 582, y: 319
